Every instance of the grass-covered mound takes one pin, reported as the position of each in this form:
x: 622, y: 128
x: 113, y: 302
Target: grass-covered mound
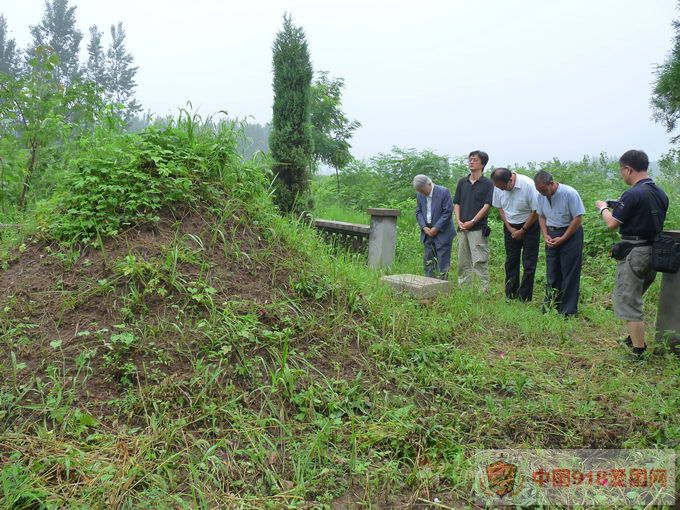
x: 188, y: 348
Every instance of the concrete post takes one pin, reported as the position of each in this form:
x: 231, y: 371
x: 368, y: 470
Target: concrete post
x: 668, y: 312
x: 382, y: 241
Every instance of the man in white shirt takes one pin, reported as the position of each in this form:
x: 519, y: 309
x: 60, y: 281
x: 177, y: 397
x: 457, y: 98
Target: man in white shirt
x: 515, y: 197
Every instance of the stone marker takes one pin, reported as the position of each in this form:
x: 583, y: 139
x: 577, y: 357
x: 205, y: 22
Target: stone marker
x: 668, y: 314
x: 382, y: 241
x: 419, y: 286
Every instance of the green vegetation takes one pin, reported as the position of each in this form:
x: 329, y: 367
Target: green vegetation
x: 194, y: 349
x: 116, y: 180
x: 172, y: 341
x: 39, y: 118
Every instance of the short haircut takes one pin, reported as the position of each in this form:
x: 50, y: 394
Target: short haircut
x: 420, y: 181
x: 501, y: 175
x: 635, y: 159
x: 543, y: 177
x: 483, y: 157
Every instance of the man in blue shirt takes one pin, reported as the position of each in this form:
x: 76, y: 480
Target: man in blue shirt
x: 434, y: 214
x: 639, y: 215
x: 560, y: 211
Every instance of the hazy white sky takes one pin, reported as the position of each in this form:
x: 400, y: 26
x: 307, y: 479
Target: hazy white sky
x: 525, y: 80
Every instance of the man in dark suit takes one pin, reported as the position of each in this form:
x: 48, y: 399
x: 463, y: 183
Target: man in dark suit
x: 434, y: 214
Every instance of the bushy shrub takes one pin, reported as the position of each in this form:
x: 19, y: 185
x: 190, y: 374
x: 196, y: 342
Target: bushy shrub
x: 116, y: 180
x: 387, y: 179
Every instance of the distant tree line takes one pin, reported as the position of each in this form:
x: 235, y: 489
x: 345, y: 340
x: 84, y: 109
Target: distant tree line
x: 255, y: 139
x: 112, y: 71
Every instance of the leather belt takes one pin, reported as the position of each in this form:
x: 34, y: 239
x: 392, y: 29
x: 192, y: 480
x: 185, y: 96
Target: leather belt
x: 634, y: 238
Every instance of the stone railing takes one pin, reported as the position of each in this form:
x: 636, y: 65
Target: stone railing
x: 380, y: 235
x: 351, y: 235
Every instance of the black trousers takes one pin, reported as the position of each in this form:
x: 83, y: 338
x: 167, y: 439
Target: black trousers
x: 526, y: 250
x: 563, y: 265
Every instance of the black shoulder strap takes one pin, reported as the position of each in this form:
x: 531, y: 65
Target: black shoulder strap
x: 654, y: 207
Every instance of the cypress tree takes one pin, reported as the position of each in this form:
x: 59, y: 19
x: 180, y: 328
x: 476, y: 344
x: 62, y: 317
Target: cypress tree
x: 290, y: 140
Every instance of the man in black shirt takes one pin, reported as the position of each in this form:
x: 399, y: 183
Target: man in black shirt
x: 471, y: 202
x: 639, y: 215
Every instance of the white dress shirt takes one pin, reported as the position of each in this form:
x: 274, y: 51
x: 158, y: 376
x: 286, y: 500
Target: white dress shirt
x: 429, y: 206
x: 519, y: 202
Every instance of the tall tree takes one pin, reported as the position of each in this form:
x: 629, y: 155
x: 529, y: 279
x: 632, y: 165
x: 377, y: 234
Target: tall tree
x: 58, y: 31
x: 95, y: 69
x: 666, y: 93
x: 290, y: 140
x: 331, y: 129
x: 120, y: 73
x: 9, y: 56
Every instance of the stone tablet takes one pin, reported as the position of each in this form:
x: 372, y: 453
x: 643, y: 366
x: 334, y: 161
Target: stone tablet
x: 668, y: 314
x: 418, y: 286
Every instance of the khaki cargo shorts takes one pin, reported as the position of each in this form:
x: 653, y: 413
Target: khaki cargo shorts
x: 634, y: 275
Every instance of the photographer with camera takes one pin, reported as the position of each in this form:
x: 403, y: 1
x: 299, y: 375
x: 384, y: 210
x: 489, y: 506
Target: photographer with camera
x: 639, y: 215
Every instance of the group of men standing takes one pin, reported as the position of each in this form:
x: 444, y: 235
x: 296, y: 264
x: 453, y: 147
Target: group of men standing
x: 535, y: 208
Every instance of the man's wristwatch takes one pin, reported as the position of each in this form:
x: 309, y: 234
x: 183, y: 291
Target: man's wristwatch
x: 602, y: 210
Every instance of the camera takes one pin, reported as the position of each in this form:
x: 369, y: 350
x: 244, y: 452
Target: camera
x: 612, y: 204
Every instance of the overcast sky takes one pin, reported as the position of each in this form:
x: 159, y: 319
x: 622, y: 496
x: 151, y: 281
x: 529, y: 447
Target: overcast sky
x: 525, y: 80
